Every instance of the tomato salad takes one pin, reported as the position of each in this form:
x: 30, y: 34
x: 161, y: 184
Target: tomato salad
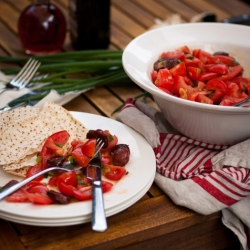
x: 64, y: 187
x: 201, y: 77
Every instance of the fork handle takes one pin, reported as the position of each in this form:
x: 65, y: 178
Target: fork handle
x: 99, y: 222
x: 2, y: 89
x: 12, y: 189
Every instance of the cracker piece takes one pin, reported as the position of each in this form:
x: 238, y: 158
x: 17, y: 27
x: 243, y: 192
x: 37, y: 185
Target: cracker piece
x: 24, y: 137
x: 29, y: 160
x: 18, y: 114
x: 18, y: 172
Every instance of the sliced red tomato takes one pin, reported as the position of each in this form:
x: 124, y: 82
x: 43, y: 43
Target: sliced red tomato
x: 67, y: 183
x: 219, y: 68
x: 233, y: 89
x: 192, y: 96
x: 83, y: 181
x: 18, y: 196
x: 207, y: 76
x: 165, y: 80
x: 76, y: 143
x: 106, y: 159
x: 34, y: 170
x: 173, y: 54
x: 230, y: 61
x: 84, y: 152
x: 193, y: 62
x: 230, y: 100
x: 112, y: 141
x: 184, y: 49
x: 36, y: 187
x: 203, y: 99
x: 154, y: 75
x: 179, y: 69
x: 200, y: 86
x: 53, y: 180
x: 53, y: 146
x: 188, y: 81
x: 88, y: 148
x: 194, y: 73
x: 243, y: 83
x: 106, y: 186
x: 80, y: 157
x: 232, y: 73
x: 39, y: 198
x: 85, y: 193
x: 216, y: 84
x: 202, y: 55
x: 216, y: 96
x: 179, y: 83
x: 241, y: 79
x: 112, y: 172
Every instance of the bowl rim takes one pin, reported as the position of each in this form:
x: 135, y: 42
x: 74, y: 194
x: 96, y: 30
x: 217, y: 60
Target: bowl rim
x: 159, y: 93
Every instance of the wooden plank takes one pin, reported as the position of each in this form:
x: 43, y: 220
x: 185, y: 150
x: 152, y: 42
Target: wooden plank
x: 118, y: 38
x: 156, y: 9
x: 155, y: 190
x: 125, y: 24
x: 99, y: 97
x: 204, y: 6
x: 160, y: 217
x: 11, y: 16
x: 135, y: 12
x: 211, y: 235
x: 20, y: 5
x: 178, y: 7
x: 6, y: 233
x: 131, y: 92
x: 9, y: 42
x: 80, y: 104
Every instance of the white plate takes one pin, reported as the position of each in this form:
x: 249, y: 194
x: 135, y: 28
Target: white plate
x: 126, y: 192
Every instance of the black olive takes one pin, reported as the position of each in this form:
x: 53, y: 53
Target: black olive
x: 56, y: 161
x: 168, y: 63
x: 10, y: 184
x: 98, y: 134
x: 220, y: 53
x: 120, y: 154
x: 58, y: 197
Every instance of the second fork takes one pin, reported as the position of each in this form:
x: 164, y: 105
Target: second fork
x: 23, y: 77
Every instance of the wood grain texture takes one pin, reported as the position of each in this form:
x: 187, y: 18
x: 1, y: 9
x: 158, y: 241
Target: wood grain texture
x: 7, y: 233
x: 130, y: 227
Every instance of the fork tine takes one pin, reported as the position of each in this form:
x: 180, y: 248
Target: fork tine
x: 29, y: 74
x: 22, y: 70
x: 99, y: 145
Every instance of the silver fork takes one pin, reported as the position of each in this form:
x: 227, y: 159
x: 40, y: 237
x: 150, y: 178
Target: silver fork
x: 23, y: 77
x: 68, y: 167
x: 99, y: 222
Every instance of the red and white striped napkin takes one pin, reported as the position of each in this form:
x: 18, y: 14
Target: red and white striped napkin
x: 203, y: 177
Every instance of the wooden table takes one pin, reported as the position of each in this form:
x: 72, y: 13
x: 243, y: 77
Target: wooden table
x: 153, y: 222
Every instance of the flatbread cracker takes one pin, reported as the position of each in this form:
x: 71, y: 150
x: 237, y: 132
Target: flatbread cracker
x: 15, y: 115
x: 18, y: 172
x: 22, y: 138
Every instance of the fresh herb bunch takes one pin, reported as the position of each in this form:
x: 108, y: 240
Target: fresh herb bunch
x: 73, y: 71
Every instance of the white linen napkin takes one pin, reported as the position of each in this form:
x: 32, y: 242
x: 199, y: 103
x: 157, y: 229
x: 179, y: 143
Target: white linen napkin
x: 203, y: 177
x: 53, y: 96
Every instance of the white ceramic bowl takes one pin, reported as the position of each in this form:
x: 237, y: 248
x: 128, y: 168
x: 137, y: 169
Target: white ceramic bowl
x: 207, y: 123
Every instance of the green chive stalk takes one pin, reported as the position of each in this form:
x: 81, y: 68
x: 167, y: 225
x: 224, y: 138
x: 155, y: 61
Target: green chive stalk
x: 72, y: 71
